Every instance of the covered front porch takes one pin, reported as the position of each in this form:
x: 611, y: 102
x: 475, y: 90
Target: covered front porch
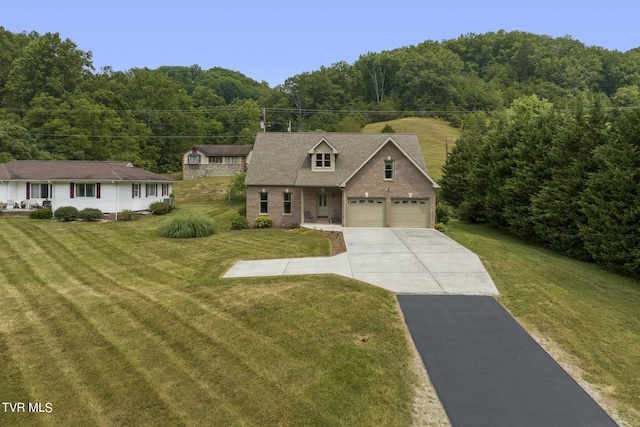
x: 321, y: 205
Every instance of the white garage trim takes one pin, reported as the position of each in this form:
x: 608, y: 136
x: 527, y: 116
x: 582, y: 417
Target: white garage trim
x: 410, y: 213
x: 365, y: 212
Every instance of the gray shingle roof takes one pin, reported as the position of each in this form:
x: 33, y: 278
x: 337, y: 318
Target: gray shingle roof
x: 283, y: 158
x: 223, y: 150
x: 64, y: 170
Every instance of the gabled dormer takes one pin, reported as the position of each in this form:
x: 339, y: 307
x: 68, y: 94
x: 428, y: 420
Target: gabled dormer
x: 323, y: 156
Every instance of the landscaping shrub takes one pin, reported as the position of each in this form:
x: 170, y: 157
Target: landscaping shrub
x: 90, y: 214
x: 441, y: 227
x: 242, y: 211
x: 186, y: 226
x: 40, y: 214
x: 160, y: 208
x: 126, y: 215
x: 263, y: 222
x: 66, y: 213
x: 443, y: 213
x: 239, y: 223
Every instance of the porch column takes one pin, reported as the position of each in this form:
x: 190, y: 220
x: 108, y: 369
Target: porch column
x: 301, y: 205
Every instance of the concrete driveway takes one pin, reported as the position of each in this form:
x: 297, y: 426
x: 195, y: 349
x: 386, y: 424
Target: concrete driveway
x: 402, y: 260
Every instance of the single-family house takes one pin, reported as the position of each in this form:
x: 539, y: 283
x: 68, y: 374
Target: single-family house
x: 110, y: 186
x: 215, y: 160
x: 352, y: 179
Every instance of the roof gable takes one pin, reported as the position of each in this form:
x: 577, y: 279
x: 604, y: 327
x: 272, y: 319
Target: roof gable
x: 404, y: 153
x: 320, y: 143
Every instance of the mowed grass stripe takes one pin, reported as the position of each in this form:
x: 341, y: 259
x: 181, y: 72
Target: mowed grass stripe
x: 94, y: 303
x: 44, y: 345
x: 47, y: 366
x: 180, y: 340
x: 61, y: 324
x: 144, y: 313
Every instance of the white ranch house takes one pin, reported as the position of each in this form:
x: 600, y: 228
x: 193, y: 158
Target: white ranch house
x: 110, y: 186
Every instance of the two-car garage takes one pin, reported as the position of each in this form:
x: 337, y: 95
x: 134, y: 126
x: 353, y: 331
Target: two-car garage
x: 404, y: 213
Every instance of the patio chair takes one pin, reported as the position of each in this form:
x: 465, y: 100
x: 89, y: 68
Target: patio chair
x: 11, y: 204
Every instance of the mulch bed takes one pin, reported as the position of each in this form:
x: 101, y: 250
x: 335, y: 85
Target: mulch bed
x: 337, y: 241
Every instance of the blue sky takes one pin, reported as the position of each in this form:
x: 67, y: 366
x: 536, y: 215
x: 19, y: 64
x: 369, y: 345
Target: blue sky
x: 274, y: 40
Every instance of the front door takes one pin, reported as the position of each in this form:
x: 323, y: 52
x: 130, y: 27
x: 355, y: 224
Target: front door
x: 322, y: 210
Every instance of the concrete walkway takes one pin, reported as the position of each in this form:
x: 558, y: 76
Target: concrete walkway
x: 402, y: 260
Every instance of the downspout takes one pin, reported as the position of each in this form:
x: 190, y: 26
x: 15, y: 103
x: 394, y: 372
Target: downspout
x: 117, y: 198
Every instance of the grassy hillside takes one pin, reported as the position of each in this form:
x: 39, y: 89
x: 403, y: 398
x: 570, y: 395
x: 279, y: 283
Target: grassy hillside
x: 434, y: 136
x: 113, y: 325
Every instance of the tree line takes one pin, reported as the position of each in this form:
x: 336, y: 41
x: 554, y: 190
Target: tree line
x: 568, y: 180
x: 55, y: 105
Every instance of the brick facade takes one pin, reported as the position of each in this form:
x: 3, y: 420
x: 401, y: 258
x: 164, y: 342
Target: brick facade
x: 408, y: 182
x: 275, y: 200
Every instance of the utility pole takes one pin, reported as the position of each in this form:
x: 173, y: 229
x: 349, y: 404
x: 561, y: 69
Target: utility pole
x: 263, y: 120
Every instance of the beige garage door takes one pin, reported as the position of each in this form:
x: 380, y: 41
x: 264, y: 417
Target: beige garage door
x: 410, y: 213
x: 365, y: 213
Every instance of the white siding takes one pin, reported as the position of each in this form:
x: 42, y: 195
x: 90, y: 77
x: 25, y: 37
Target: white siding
x: 114, y: 197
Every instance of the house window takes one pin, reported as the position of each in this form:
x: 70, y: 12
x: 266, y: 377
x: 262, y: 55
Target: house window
x: 287, y: 203
x: 264, y: 203
x: 85, y: 190
x: 388, y: 169
x: 135, y: 190
x: 165, y: 189
x: 231, y: 160
x: 151, y: 189
x: 323, y: 160
x: 40, y: 191
x: 194, y: 159
x: 215, y: 159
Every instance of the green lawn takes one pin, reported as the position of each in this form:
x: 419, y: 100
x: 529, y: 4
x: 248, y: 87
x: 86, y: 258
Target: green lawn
x: 591, y: 314
x: 113, y: 325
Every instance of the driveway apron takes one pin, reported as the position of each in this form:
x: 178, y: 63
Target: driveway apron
x: 488, y: 371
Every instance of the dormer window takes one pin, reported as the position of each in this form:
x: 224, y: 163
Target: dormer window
x: 323, y: 160
x: 323, y: 156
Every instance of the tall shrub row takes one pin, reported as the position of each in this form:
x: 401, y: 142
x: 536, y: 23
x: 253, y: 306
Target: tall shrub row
x: 567, y: 180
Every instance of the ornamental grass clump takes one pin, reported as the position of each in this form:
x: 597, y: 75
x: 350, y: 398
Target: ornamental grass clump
x: 186, y: 226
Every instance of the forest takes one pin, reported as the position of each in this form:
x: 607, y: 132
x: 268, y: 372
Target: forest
x: 55, y: 105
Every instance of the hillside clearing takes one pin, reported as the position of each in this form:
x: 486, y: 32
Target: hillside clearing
x: 435, y: 136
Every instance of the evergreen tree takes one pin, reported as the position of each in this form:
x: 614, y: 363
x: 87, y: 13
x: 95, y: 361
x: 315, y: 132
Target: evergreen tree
x: 611, y: 199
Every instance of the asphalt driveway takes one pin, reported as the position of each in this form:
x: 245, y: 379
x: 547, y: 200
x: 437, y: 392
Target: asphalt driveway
x: 402, y: 260
x: 488, y: 371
